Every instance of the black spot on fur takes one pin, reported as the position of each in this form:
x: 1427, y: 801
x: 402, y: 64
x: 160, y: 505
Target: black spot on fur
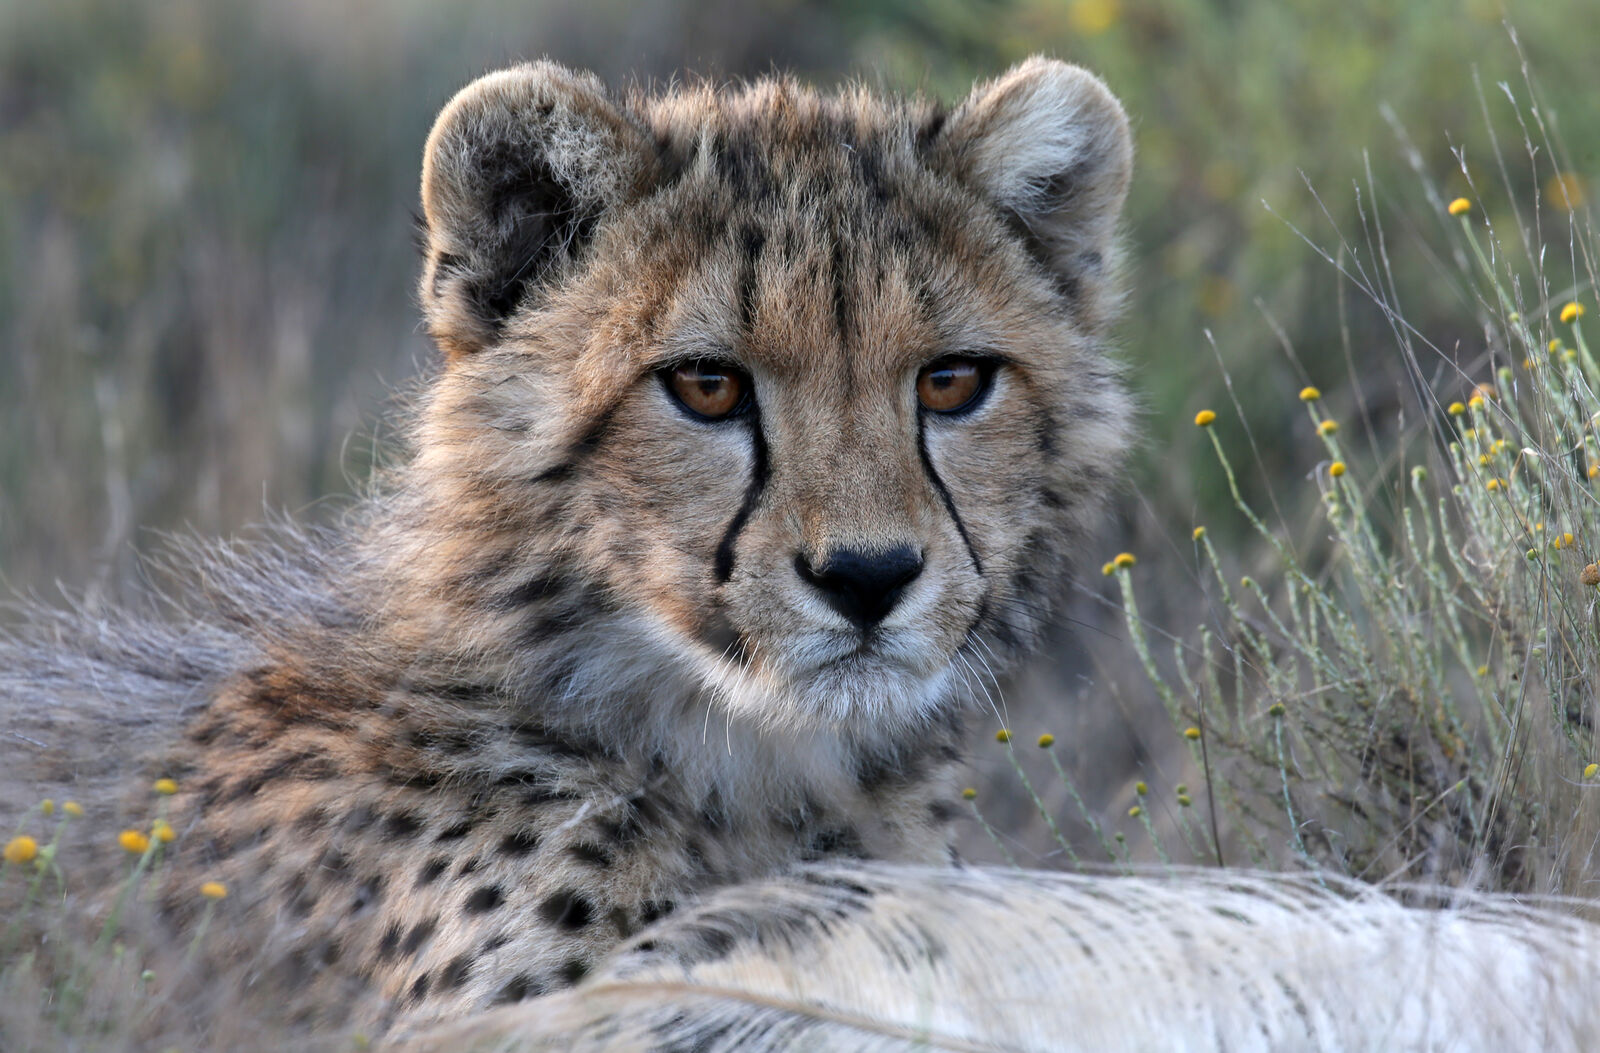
x: 840, y: 841
x: 390, y: 943
x: 456, y: 831
x: 483, y: 899
x: 591, y: 854
x: 876, y: 772
x: 942, y: 811
x: 573, y: 971
x: 652, y: 910
x: 519, y: 843
x: 711, y: 943
x: 418, y: 935
x: 469, y: 866
x: 403, y: 824
x: 623, y: 831
x: 519, y: 988
x: 567, y: 909
x: 431, y: 870
x: 419, y: 987
x: 455, y: 973
x: 532, y: 591
x: 495, y: 942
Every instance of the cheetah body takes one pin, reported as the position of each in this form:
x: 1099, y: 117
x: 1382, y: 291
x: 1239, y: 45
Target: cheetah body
x: 568, y: 667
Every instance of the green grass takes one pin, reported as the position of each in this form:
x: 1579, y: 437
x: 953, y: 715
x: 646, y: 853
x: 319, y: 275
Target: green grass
x: 1397, y: 679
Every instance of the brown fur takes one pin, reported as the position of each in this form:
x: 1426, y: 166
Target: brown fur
x: 563, y: 674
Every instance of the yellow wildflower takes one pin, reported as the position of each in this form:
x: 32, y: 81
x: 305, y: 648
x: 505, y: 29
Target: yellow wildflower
x: 1309, y: 394
x: 47, y: 806
x: 214, y: 890
x: 1002, y: 736
x: 1594, y: 470
x: 1328, y: 427
x: 1199, y: 532
x: 1205, y: 418
x: 167, y: 787
x: 1046, y: 741
x: 1572, y: 312
x: 1483, y: 670
x: 1124, y: 560
x: 969, y: 794
x: 1135, y: 812
x: 73, y: 808
x: 1457, y: 409
x: 1184, y: 800
x: 1336, y: 469
x: 21, y: 849
x: 1108, y: 569
x: 133, y: 841
x: 1275, y: 710
x: 1476, y: 402
x: 1191, y: 733
x: 1459, y: 205
x: 1492, y: 485
x: 162, y: 831
x: 1554, y: 346
x: 1591, y: 771
x: 1141, y: 788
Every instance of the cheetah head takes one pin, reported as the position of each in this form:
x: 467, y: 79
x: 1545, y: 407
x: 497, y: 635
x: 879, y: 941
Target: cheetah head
x: 803, y: 393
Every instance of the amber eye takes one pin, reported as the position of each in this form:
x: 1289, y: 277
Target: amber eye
x: 952, y: 384
x: 708, y: 389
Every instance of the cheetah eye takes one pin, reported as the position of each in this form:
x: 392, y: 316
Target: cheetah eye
x: 708, y: 390
x: 953, y: 385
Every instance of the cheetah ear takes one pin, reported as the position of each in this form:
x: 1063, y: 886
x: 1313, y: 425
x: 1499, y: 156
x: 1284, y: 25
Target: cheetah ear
x: 1049, y: 144
x: 518, y: 169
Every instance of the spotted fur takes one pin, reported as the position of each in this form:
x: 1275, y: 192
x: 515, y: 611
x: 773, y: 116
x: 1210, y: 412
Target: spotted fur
x: 561, y: 675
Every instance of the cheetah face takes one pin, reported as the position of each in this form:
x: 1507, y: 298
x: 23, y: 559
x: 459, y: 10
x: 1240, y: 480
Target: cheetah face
x: 806, y: 391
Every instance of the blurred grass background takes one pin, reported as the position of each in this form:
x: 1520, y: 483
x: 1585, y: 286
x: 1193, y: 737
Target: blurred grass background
x: 206, y: 212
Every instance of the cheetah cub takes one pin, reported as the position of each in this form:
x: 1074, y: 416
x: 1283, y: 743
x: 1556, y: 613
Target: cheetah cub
x: 768, y: 420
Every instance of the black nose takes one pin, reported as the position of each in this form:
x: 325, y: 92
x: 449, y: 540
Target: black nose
x: 862, y: 586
